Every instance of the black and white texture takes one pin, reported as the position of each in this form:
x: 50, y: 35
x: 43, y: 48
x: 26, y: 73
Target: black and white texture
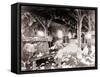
x: 53, y: 38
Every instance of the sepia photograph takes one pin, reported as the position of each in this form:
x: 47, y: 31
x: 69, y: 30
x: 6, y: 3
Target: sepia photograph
x: 57, y: 38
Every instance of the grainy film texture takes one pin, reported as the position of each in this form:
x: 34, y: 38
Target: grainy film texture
x: 55, y: 38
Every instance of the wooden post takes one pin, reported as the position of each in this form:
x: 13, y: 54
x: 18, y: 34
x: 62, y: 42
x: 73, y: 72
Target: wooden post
x: 79, y: 24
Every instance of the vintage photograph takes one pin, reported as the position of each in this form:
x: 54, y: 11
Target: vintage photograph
x: 57, y: 38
